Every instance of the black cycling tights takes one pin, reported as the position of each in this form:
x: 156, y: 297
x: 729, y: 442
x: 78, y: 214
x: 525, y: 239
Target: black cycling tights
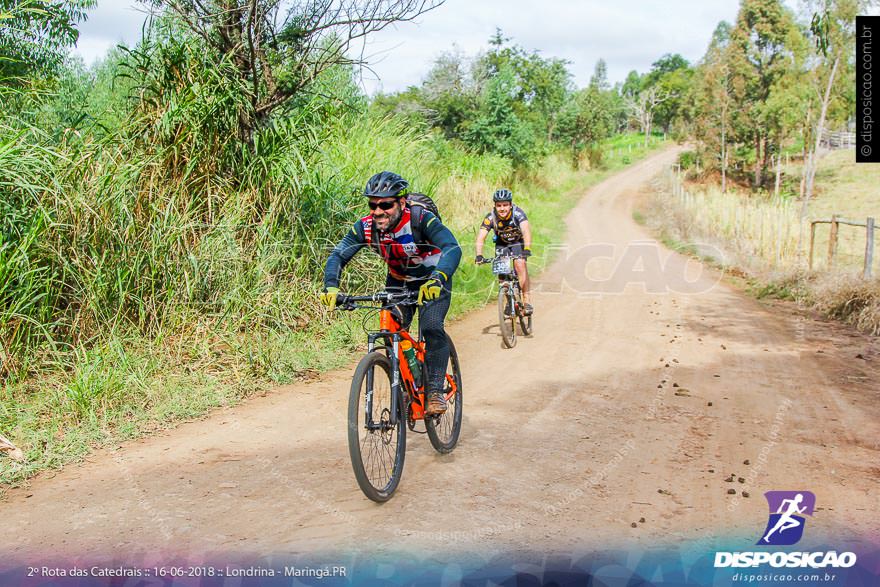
x: 431, y: 317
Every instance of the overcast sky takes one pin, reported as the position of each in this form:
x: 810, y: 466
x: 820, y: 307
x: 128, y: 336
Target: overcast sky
x: 628, y: 34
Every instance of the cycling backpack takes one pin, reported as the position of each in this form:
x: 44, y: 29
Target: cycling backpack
x: 416, y: 199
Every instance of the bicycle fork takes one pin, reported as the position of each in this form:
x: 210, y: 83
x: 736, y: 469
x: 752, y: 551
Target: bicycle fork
x: 395, y: 382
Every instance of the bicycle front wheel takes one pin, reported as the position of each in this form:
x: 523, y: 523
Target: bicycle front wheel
x: 525, y: 322
x: 443, y: 430
x: 376, y: 441
x: 506, y: 316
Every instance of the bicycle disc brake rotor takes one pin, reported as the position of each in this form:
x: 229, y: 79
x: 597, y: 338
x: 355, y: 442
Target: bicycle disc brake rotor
x: 385, y: 427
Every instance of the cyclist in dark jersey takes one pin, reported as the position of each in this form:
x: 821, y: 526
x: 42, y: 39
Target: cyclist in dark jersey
x: 513, y: 237
x: 421, y: 254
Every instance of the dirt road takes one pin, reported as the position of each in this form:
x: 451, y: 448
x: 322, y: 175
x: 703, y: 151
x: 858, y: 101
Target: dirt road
x: 646, y: 385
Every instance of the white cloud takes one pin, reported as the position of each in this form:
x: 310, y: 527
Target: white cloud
x: 110, y: 23
x: 92, y: 49
x: 627, y: 34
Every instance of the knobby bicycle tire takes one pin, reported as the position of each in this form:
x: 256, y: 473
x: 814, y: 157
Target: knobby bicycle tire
x: 377, y: 478
x: 507, y: 323
x: 444, y: 430
x: 525, y: 322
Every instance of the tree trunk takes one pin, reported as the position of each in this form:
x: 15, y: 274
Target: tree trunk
x: 778, y: 175
x: 724, y: 148
x: 758, y: 179
x: 810, y: 168
x: 811, y: 162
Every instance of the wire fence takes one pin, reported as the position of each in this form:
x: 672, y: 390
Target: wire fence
x: 771, y: 229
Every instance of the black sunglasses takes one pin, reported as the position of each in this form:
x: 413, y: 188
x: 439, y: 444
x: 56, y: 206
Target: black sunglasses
x: 383, y: 205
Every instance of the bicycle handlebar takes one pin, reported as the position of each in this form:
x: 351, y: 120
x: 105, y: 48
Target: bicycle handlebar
x: 385, y: 298
x: 490, y: 260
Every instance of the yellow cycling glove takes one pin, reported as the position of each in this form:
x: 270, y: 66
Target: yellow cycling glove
x: 431, y: 289
x: 328, y: 298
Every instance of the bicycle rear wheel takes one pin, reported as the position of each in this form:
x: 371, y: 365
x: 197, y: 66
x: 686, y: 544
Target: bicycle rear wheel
x: 525, y: 322
x: 506, y: 316
x: 444, y: 430
x: 376, y: 446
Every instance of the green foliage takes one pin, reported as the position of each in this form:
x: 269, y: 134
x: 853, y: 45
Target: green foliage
x: 766, y: 82
x: 672, y: 75
x: 272, y: 54
x: 632, y: 85
x: 586, y: 119
x: 687, y: 159
x: 763, y: 50
x: 449, y: 96
x: 186, y: 103
x: 669, y: 63
x: 497, y: 127
x: 34, y: 35
x: 157, y: 228
x: 506, y: 102
x: 164, y: 221
x: 761, y: 83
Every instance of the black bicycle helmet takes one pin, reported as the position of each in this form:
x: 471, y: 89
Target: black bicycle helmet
x: 386, y: 184
x: 502, y: 195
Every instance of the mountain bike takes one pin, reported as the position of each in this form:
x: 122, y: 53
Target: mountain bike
x: 511, y: 307
x: 388, y: 396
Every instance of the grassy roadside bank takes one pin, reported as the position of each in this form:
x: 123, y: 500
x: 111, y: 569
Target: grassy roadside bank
x: 756, y: 238
x: 130, y: 385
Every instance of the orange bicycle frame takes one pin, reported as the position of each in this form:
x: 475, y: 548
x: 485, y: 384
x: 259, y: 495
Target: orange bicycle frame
x: 389, y: 323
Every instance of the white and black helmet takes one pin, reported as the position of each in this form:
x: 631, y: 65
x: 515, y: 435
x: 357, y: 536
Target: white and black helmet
x: 502, y: 195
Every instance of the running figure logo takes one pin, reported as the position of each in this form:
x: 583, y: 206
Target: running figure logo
x: 786, y: 524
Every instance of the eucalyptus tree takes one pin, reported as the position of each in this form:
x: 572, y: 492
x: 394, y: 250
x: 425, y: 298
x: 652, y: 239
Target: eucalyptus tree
x: 588, y: 117
x: 711, y: 102
x: 761, y: 52
x: 832, y: 30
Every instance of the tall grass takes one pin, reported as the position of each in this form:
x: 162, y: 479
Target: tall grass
x: 29, y: 288
x: 156, y: 269
x: 764, y: 229
x: 760, y: 234
x: 134, y: 291
x: 758, y: 228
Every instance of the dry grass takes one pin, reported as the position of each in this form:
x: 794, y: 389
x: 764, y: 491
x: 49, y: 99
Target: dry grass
x: 759, y: 228
x: 758, y: 234
x: 851, y: 299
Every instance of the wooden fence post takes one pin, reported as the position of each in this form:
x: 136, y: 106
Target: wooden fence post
x: 869, y: 248
x: 812, y: 242
x: 832, y: 241
x: 778, y: 176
